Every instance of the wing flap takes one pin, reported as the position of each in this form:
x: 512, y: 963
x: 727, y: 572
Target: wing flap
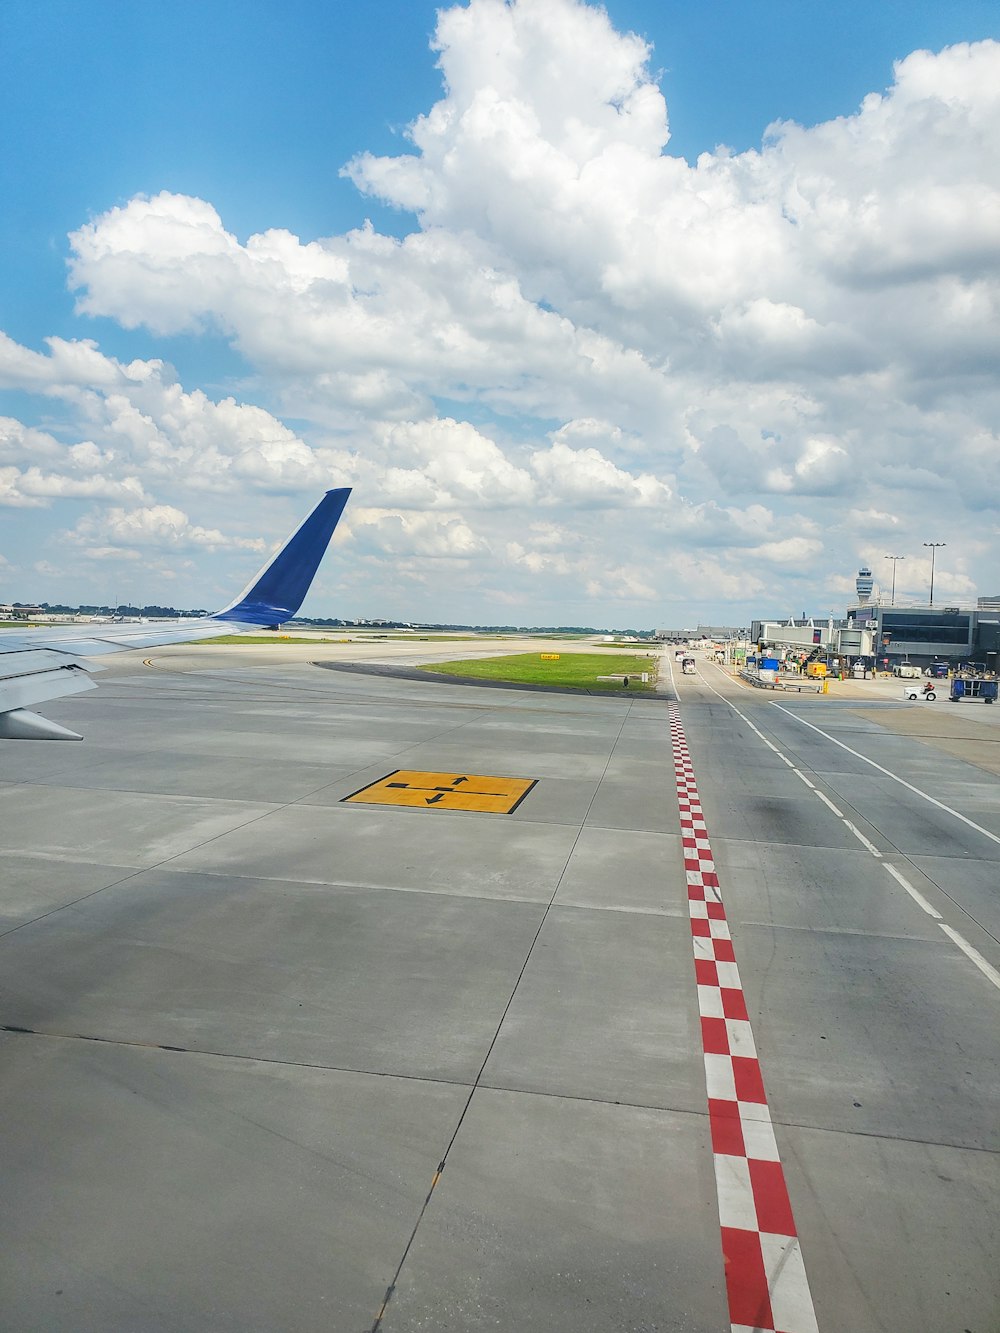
x: 33, y: 677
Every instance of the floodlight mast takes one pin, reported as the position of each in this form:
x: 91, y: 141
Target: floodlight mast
x: 933, y: 547
x: 894, y: 558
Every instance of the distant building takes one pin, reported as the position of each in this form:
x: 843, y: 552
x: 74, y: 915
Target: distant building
x: 717, y: 633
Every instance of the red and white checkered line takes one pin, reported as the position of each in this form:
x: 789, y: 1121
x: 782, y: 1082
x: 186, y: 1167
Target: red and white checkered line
x: 765, y: 1277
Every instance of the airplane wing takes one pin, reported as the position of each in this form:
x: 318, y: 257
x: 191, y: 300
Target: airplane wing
x: 47, y: 663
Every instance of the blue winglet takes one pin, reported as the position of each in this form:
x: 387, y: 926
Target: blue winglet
x: 278, y: 590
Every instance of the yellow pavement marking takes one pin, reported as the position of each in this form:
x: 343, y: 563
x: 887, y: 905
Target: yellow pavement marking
x: 446, y: 791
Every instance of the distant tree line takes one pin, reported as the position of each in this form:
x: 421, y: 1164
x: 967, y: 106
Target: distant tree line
x: 157, y: 612
x: 333, y: 622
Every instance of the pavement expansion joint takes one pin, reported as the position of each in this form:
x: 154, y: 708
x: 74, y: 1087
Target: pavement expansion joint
x: 247, y: 1058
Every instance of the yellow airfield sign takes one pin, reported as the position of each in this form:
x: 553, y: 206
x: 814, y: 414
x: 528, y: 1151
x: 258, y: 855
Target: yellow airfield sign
x: 549, y: 657
x: 445, y: 791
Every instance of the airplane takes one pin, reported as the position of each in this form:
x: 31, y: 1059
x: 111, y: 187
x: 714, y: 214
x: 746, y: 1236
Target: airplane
x: 48, y: 663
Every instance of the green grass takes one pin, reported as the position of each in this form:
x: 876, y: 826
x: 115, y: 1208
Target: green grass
x: 363, y: 635
x: 573, y: 670
x: 235, y: 639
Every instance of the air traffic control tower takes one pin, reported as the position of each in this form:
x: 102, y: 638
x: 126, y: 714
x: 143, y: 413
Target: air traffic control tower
x: 863, y: 585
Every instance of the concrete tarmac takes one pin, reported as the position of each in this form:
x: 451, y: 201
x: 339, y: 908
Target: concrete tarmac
x: 274, y: 1061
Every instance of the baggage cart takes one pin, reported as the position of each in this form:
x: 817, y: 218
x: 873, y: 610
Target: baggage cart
x: 973, y: 687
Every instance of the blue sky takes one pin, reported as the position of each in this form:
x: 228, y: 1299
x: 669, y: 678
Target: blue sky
x: 255, y: 108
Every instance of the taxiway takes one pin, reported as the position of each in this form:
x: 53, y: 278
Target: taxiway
x: 272, y: 1059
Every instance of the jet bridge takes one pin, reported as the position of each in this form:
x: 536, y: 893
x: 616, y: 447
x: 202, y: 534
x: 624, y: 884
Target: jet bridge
x: 782, y: 635
x: 850, y: 641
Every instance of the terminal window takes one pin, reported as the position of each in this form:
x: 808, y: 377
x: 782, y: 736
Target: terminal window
x: 928, y: 628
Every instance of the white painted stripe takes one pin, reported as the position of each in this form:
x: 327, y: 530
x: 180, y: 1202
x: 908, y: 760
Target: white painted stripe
x: 826, y: 801
x: 719, y: 1078
x: 697, y: 908
x: 918, y: 898
x: 862, y: 839
x: 736, y: 1204
x: 710, y: 1002
x: 759, y: 1140
x: 788, y: 1287
x: 993, y: 837
x: 740, y: 1037
x: 987, y: 969
x: 719, y: 930
x: 704, y: 948
x: 729, y: 976
x: 754, y: 1111
x: 799, y: 774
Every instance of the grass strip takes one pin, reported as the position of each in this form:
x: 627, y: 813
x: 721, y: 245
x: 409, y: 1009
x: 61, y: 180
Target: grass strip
x: 231, y: 639
x: 580, y: 671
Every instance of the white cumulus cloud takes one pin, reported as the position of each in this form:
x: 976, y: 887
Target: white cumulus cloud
x: 589, y: 369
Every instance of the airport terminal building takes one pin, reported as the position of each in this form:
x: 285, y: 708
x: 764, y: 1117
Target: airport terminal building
x: 925, y: 634
x: 919, y: 635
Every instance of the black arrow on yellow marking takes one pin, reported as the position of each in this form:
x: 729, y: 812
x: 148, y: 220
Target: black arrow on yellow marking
x: 406, y: 786
x: 432, y: 800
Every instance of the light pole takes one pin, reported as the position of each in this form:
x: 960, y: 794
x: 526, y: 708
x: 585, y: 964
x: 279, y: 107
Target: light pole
x: 933, y: 546
x: 894, y: 558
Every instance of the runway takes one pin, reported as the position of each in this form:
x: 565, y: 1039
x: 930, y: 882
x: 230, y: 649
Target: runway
x: 276, y: 1059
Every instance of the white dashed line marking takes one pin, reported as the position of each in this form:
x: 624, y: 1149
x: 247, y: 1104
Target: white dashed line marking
x: 826, y: 801
x: 917, y: 897
x: 993, y: 837
x: 987, y: 969
x: 862, y: 839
